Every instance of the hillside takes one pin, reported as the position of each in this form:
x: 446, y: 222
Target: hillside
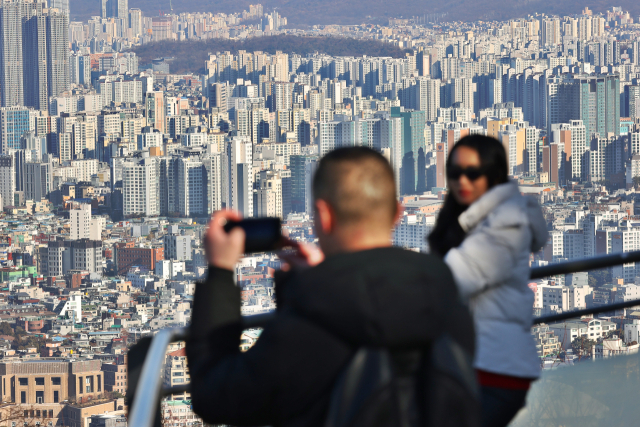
x: 306, y: 12
x: 191, y: 55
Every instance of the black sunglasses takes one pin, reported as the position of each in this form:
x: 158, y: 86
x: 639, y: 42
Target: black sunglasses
x: 473, y: 173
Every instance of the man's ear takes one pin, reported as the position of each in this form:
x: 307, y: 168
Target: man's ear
x: 326, y: 216
x: 399, y: 212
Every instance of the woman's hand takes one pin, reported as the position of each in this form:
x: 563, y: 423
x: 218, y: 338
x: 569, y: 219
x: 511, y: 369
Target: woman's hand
x: 303, y: 255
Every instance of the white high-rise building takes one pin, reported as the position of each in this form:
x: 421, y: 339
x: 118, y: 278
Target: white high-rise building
x: 253, y: 123
x: 532, y: 135
x: 428, y: 97
x: 80, y: 69
x: 150, y: 137
x: 270, y: 198
x: 80, y: 222
x: 140, y: 188
x: 578, y: 148
x: 214, y: 185
x: 551, y: 32
x: 135, y: 22
x: 191, y: 187
x: 239, y: 151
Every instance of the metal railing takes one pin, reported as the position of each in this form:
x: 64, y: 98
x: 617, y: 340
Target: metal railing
x: 145, y: 404
x: 585, y: 265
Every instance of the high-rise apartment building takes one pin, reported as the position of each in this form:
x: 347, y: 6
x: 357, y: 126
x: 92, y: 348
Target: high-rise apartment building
x: 38, y: 180
x: 80, y: 222
x: 115, y: 9
x: 551, y: 32
x: 140, y: 188
x: 299, y: 189
x: 161, y: 28
x: 80, y: 69
x: 413, y: 176
x: 86, y: 255
x: 631, y: 104
x: 14, y: 123
x: 7, y: 180
x: 270, y: 197
x: 57, y: 52
x: 11, y: 62
x: 428, y: 97
x: 573, y: 144
x: 149, y: 137
x: 253, y: 123
x: 594, y: 99
x: 513, y: 140
x: 155, y: 110
x: 34, y: 46
x: 239, y: 152
x: 215, y: 179
x: 135, y: 22
x: 281, y: 96
x: 191, y: 187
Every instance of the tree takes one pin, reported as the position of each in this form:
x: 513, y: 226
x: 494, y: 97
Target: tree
x: 582, y: 346
x: 23, y: 341
x: 22, y: 415
x: 598, y: 278
x: 6, y: 329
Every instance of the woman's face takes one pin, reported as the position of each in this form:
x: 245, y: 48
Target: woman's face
x: 467, y: 181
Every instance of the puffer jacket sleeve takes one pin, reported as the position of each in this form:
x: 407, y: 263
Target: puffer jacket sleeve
x: 488, y: 256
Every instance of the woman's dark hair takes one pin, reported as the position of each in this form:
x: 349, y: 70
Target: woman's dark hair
x: 448, y: 233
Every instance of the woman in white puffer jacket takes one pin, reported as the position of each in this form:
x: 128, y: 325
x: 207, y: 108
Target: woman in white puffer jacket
x: 486, y: 232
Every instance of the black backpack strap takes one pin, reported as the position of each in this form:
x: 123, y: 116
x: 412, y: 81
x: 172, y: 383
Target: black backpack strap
x: 368, y: 370
x: 449, y: 357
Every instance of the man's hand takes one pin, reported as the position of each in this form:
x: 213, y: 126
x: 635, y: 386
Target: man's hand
x: 223, y: 249
x: 302, y: 256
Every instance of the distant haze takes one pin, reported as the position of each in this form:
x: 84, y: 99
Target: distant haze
x: 304, y: 12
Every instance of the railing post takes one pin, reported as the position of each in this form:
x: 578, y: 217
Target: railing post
x: 148, y: 389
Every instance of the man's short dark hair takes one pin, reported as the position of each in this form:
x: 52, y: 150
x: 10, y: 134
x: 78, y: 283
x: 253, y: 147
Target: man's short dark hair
x: 358, y: 183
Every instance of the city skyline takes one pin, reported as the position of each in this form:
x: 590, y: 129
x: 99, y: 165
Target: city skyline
x: 111, y: 164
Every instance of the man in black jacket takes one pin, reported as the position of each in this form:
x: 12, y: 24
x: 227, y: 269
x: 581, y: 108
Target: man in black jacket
x: 364, y: 293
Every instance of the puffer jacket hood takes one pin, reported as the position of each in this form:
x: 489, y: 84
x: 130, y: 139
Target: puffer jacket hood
x: 513, y: 206
x: 537, y: 223
x: 381, y: 297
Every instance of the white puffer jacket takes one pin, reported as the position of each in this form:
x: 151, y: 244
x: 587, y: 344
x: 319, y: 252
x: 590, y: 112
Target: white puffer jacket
x: 491, y: 268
